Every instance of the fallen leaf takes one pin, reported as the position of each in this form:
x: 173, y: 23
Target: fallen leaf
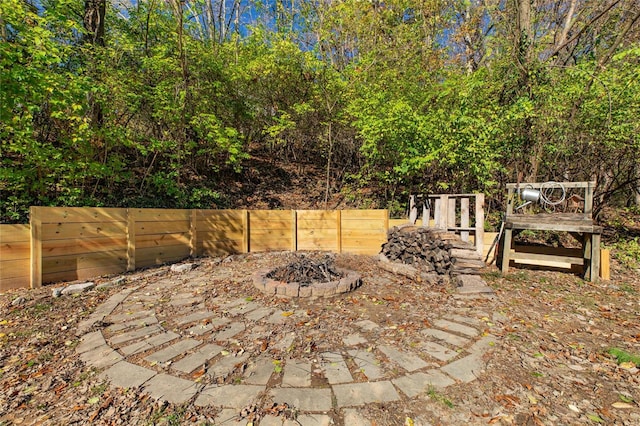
x: 622, y: 405
x: 287, y: 313
x: 595, y: 418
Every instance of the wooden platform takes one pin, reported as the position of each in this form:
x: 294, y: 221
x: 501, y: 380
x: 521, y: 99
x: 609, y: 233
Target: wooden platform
x: 580, y: 225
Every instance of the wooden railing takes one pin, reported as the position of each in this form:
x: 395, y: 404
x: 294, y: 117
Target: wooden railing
x: 63, y: 244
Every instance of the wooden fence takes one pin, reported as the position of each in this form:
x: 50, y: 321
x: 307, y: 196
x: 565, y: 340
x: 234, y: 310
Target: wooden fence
x: 64, y: 244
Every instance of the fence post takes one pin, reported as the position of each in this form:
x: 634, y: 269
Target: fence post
x: 294, y: 230
x: 480, y: 223
x: 131, y: 240
x: 444, y: 215
x: 451, y: 213
x: 339, y: 231
x: 464, y: 218
x: 245, y: 231
x: 35, y: 222
x: 193, y: 229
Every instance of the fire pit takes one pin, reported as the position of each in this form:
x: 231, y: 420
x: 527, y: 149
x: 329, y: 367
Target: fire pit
x: 308, y: 276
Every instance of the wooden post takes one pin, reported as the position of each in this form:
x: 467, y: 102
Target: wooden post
x: 506, y: 250
x: 426, y: 214
x: 245, y: 231
x: 35, y: 221
x: 509, y: 201
x: 595, y: 257
x: 131, y: 240
x: 588, y: 200
x: 294, y: 230
x: 587, y: 243
x: 444, y: 215
x: 193, y: 229
x: 437, y: 212
x: 464, y: 218
x: 413, y: 210
x: 605, y: 266
x: 339, y: 230
x: 480, y: 223
x: 451, y: 213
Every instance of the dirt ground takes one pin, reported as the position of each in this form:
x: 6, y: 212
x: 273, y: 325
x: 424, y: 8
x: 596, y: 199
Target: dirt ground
x: 552, y: 363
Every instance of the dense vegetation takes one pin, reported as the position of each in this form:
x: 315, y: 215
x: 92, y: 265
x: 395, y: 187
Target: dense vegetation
x: 161, y: 103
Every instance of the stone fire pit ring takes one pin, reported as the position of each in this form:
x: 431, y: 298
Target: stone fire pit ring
x: 350, y: 281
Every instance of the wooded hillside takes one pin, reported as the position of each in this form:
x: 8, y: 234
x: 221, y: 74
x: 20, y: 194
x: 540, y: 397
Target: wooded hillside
x: 181, y: 103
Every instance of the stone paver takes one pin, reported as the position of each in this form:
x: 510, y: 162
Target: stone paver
x: 259, y: 371
x: 406, y: 360
x: 418, y: 383
x: 353, y: 417
x: 135, y: 334
x: 149, y: 343
x: 126, y: 375
x: 101, y: 357
x: 229, y: 396
x: 438, y: 351
x: 197, y: 359
x: 353, y: 394
x: 303, y: 399
x: 134, y: 323
x: 296, y: 373
x: 335, y: 368
x: 131, y: 315
x: 173, y: 351
x: 258, y: 314
x: 225, y: 366
x: 456, y: 328
x: 466, y: 369
x: 172, y: 389
x: 367, y: 364
x: 354, y: 340
x: 449, y: 338
x: 367, y: 325
x: 196, y: 316
x: 231, y: 330
x: 90, y: 341
x: 200, y: 329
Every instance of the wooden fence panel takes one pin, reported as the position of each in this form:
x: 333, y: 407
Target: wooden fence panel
x: 271, y: 230
x: 364, y: 231
x: 220, y: 232
x: 76, y: 243
x: 161, y: 235
x: 318, y: 230
x: 15, y: 255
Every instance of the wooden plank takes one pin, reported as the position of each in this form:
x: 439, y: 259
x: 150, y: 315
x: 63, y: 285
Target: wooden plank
x: 162, y: 215
x: 444, y: 212
x: 14, y: 283
x: 162, y: 240
x: 552, y: 251
x: 533, y: 257
x: 351, y: 214
x: 258, y: 234
x: 159, y: 255
x: 149, y: 228
x: 36, y: 246
x: 14, y: 233
x: 221, y: 235
x: 15, y: 268
x: 323, y: 215
x: 221, y: 215
x: 540, y: 184
x: 221, y: 247
x: 595, y: 258
x: 14, y: 251
x: 306, y: 234
x: 82, y: 214
x: 274, y: 245
x: 269, y: 215
x: 398, y: 222
x: 464, y: 218
x: 69, y: 231
x: 479, y: 222
x: 82, y: 274
x: 85, y: 261
x: 605, y: 264
x: 378, y: 225
x: 55, y: 248
x: 131, y: 240
x: 317, y: 223
x: 365, y: 232
x: 506, y: 250
x: 269, y: 224
x: 219, y: 226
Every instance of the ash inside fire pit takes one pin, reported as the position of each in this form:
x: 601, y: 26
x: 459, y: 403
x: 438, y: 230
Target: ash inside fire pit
x: 307, y: 270
x: 310, y: 275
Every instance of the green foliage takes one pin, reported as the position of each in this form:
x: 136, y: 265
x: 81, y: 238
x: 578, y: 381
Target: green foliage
x: 622, y: 356
x: 627, y: 252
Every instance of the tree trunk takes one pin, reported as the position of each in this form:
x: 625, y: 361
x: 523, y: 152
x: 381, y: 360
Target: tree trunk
x: 94, y: 12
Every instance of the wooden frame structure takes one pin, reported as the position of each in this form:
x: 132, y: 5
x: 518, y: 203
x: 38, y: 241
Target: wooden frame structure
x: 455, y: 213
x: 580, y: 225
